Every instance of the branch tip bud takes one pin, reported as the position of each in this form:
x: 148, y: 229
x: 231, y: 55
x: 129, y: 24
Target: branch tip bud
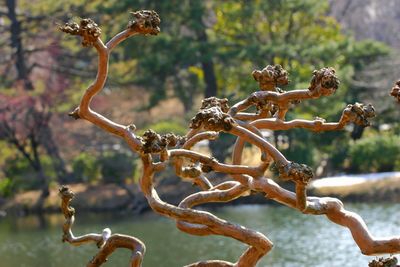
x: 145, y: 22
x: 86, y: 28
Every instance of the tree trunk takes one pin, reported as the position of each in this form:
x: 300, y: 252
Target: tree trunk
x: 38, y: 167
x: 207, y: 65
x: 45, y: 192
x: 209, y: 78
x: 52, y: 150
x: 16, y: 44
x: 357, y: 132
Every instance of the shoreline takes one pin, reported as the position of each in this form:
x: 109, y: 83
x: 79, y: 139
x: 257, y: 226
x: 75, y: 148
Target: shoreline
x: 128, y: 198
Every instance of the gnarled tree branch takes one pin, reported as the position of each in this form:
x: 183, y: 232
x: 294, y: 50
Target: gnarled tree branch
x: 106, y: 242
x: 216, y: 116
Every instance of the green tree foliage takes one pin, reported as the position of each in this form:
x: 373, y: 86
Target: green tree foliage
x: 242, y: 36
x: 86, y: 168
x: 301, y: 37
x: 375, y: 154
x: 170, y: 126
x: 295, y: 34
x: 111, y: 167
x: 116, y: 167
x: 174, y: 62
x: 21, y: 176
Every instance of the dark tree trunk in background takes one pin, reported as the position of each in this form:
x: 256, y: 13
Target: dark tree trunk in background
x: 357, y: 132
x: 188, y: 105
x: 217, y: 146
x: 209, y: 78
x: 52, y: 150
x: 45, y: 192
x: 207, y: 65
x: 38, y: 167
x: 16, y: 44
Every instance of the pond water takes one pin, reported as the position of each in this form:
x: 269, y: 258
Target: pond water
x: 299, y: 240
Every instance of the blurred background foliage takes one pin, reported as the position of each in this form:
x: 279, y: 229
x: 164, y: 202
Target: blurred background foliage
x: 205, y: 48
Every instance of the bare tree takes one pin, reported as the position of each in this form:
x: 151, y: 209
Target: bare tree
x: 24, y: 124
x: 20, y: 49
x: 215, y: 116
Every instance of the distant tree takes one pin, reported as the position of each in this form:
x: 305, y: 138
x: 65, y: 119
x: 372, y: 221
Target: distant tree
x: 25, y: 36
x: 29, y: 51
x: 24, y: 125
x: 181, y: 59
x: 371, y: 20
x: 18, y: 51
x: 300, y: 36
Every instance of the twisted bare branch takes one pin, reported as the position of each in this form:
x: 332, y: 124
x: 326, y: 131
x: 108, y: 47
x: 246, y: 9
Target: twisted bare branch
x: 106, y: 242
x: 216, y: 116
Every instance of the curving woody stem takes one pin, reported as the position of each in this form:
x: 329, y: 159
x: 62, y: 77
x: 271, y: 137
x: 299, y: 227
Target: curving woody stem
x: 215, y: 116
x: 106, y: 242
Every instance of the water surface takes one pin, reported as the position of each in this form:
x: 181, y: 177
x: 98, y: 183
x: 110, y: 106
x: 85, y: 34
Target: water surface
x: 299, y: 240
